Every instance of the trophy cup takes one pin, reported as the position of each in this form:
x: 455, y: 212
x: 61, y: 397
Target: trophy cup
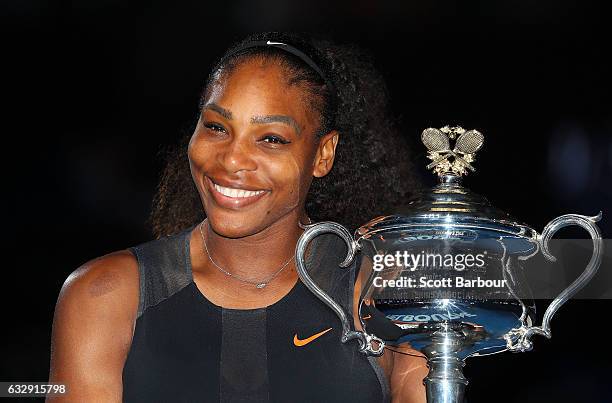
x: 449, y: 272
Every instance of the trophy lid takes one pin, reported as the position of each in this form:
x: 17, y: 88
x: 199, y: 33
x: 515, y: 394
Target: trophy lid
x: 449, y: 204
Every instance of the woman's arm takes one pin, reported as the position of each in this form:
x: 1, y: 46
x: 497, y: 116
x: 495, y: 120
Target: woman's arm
x: 405, y: 372
x: 93, y: 327
x: 407, y: 376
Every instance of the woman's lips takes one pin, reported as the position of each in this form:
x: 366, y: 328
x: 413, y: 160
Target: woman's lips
x: 229, y: 197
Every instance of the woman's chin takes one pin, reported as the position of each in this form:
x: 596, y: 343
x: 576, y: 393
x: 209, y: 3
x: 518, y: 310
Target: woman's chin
x: 230, y: 226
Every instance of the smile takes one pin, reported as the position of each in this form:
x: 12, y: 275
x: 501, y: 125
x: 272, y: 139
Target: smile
x: 234, y: 197
x: 238, y: 193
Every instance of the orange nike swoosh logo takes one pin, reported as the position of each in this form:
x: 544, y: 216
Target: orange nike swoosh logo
x: 366, y: 317
x: 303, y: 342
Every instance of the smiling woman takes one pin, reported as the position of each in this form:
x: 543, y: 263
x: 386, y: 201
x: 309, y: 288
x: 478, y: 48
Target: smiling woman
x: 213, y: 310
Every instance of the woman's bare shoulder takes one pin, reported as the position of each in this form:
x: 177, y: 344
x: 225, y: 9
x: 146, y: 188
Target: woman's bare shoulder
x: 101, y: 291
x: 111, y: 276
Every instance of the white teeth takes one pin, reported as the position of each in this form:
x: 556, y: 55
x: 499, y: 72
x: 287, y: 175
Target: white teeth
x: 238, y: 193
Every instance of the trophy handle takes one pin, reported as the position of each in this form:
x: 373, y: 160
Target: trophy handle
x: 519, y: 339
x: 312, y: 231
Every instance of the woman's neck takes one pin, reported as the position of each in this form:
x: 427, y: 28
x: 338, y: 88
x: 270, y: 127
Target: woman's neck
x: 255, y: 257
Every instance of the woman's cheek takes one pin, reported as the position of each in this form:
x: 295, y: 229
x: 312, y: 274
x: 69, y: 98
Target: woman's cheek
x: 200, y: 152
x: 194, y: 150
x: 290, y: 176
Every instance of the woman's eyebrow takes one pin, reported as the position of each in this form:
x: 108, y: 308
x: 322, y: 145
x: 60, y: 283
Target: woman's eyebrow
x: 221, y: 111
x: 288, y: 120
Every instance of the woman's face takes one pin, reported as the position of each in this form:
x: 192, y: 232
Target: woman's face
x: 254, y: 151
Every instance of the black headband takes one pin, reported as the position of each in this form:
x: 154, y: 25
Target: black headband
x: 294, y: 51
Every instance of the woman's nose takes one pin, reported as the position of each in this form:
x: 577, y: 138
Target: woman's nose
x: 237, y: 156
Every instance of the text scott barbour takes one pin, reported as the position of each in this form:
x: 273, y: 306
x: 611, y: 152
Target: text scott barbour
x: 448, y: 282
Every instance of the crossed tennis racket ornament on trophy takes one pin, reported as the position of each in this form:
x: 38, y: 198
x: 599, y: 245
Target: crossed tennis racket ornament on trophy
x: 438, y: 144
x: 425, y: 297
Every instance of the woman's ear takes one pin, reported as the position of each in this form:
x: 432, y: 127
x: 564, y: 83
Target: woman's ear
x: 326, y: 152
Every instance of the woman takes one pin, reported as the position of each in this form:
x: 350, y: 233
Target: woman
x: 213, y: 310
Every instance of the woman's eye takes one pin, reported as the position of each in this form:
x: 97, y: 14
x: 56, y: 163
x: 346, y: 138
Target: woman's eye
x: 214, y: 127
x: 274, y: 140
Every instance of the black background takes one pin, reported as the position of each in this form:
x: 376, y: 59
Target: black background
x: 92, y: 92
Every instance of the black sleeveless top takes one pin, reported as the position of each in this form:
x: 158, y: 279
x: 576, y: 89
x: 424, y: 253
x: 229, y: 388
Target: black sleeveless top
x: 187, y: 349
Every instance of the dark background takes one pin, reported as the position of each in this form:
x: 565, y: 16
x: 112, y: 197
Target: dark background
x: 92, y: 92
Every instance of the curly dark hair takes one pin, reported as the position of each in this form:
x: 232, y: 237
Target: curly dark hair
x: 372, y: 172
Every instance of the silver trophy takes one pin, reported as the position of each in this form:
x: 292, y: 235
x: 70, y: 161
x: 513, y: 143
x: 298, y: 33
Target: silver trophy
x: 450, y: 274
